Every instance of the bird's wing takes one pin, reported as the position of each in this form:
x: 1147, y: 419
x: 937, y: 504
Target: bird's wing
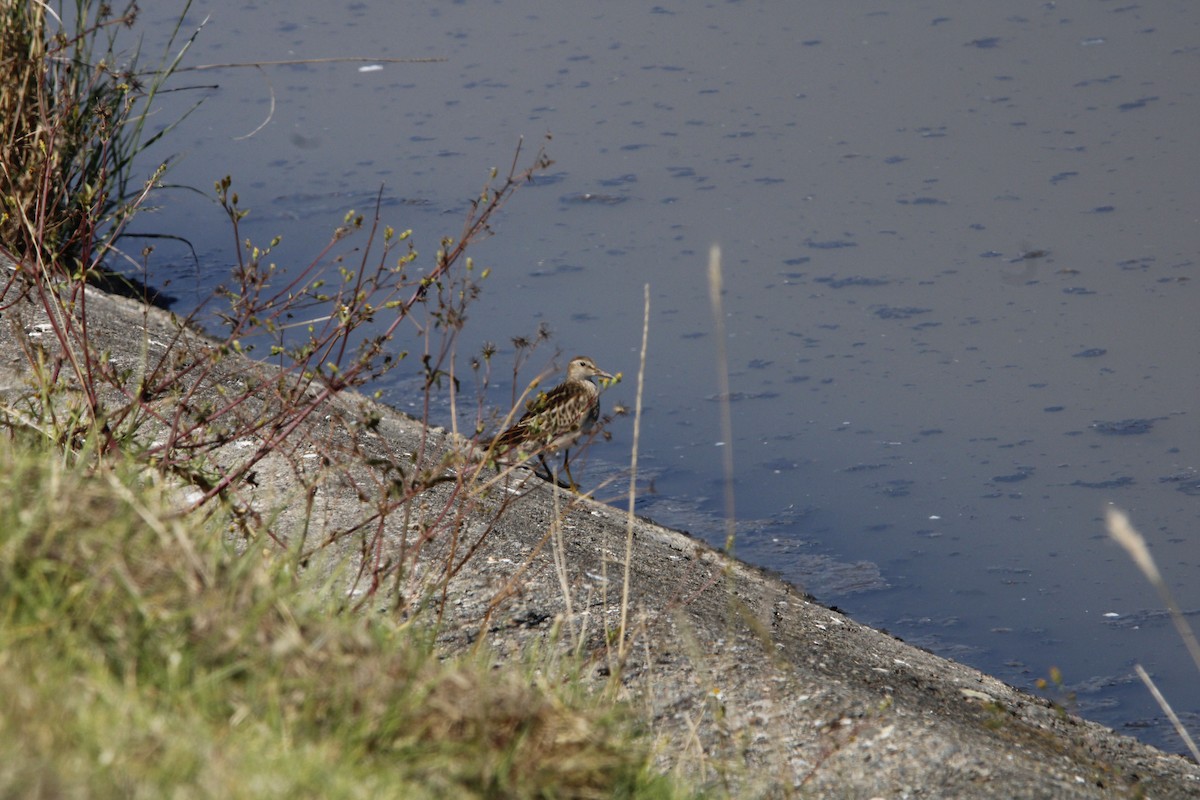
x: 547, y: 410
x: 558, y: 396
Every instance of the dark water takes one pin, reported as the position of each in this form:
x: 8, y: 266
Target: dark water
x: 960, y: 252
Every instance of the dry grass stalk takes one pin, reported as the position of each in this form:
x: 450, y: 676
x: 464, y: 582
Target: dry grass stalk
x: 1134, y: 544
x: 715, y: 291
x: 633, y: 464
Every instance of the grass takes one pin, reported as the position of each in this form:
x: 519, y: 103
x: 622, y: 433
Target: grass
x: 142, y: 655
x: 72, y: 120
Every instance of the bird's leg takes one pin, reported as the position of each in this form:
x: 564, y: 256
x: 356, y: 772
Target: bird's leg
x: 574, y: 487
x: 552, y: 474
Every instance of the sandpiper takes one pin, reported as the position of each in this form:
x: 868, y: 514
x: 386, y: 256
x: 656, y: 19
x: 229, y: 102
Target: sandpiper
x: 555, y: 420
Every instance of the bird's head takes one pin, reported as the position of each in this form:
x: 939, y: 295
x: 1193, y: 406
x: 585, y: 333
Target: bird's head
x: 581, y: 368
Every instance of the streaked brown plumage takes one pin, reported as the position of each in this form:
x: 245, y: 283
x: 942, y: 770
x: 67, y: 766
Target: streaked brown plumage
x: 556, y: 419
